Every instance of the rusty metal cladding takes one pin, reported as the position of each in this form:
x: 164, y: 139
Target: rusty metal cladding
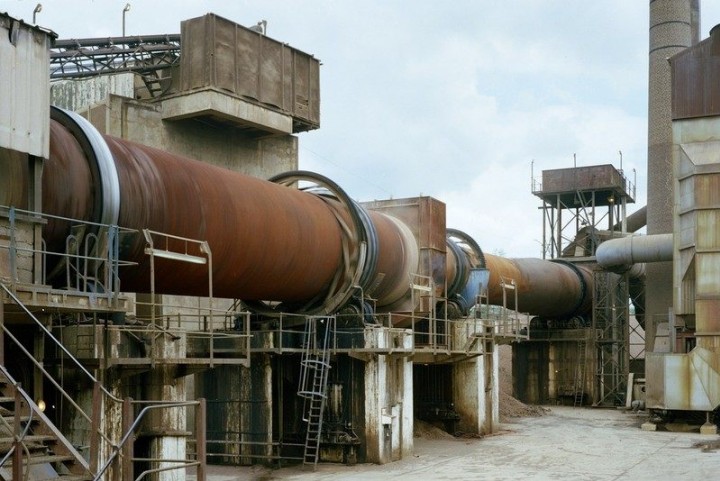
x: 218, y: 53
x: 268, y: 241
x: 696, y: 79
x: 547, y: 289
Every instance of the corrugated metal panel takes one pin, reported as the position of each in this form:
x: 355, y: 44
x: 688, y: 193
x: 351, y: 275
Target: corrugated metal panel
x: 25, y: 60
x: 654, y: 380
x: 696, y: 79
x: 221, y: 54
x: 708, y: 274
x: 707, y: 190
x: 708, y: 228
x: 697, y: 226
x: 684, y: 268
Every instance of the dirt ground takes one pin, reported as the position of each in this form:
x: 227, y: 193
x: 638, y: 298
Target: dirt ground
x: 509, y: 406
x: 566, y: 444
x: 535, y: 443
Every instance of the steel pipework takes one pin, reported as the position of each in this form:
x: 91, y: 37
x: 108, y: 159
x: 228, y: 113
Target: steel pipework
x: 625, y: 252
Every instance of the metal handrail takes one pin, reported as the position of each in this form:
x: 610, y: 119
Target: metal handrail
x: 76, y: 264
x: 180, y: 464
x: 57, y: 342
x: 26, y: 430
x: 151, y: 404
x: 109, y: 247
x: 39, y: 366
x: 118, y: 447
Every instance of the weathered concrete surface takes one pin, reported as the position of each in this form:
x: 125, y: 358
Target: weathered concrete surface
x: 388, y: 402
x: 569, y: 443
x: 476, y: 393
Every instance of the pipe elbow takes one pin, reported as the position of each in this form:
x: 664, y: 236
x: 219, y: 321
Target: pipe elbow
x: 620, y: 254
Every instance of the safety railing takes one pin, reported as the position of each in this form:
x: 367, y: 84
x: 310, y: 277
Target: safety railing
x: 100, y: 442
x: 221, y: 333
x: 123, y: 451
x: 450, y: 336
x: 19, y: 448
x: 503, y: 323
x: 89, y: 261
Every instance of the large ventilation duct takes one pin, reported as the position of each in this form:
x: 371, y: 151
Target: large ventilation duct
x: 630, y: 254
x: 625, y: 252
x: 635, y: 221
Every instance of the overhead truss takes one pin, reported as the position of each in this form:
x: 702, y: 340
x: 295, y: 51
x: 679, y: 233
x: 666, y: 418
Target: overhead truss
x: 147, y: 56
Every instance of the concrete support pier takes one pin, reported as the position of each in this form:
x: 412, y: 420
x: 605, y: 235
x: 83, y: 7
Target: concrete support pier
x: 476, y: 392
x: 165, y: 428
x: 388, y: 401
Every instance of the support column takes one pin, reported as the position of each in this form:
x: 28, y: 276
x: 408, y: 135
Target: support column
x: 255, y: 415
x: 388, y: 399
x: 166, y: 427
x: 476, y: 392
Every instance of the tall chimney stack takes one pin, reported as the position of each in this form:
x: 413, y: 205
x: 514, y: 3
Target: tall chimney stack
x: 674, y: 26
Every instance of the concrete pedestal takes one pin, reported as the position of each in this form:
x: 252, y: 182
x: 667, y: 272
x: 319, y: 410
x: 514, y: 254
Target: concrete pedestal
x: 166, y: 427
x: 388, y: 402
x: 476, y: 393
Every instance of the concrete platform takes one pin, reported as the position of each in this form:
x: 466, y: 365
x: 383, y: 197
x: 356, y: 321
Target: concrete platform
x: 568, y: 444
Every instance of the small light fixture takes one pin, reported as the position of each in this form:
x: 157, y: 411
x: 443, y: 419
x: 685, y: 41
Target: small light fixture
x: 41, y: 405
x: 38, y: 9
x: 125, y: 10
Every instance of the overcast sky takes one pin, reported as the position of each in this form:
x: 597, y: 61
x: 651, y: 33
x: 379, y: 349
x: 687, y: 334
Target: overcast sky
x: 448, y: 99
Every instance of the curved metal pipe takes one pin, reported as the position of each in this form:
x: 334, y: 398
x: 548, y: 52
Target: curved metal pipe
x: 623, y: 253
x: 635, y: 221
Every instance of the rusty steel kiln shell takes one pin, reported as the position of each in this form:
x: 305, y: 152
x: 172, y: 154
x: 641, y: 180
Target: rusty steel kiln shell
x: 269, y: 242
x: 549, y: 289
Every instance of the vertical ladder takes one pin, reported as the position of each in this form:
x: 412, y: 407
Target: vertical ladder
x: 314, y: 368
x: 580, y: 370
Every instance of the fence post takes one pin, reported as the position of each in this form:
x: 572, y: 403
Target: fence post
x: 201, y: 439
x: 127, y: 448
x: 95, y: 427
x: 18, y: 453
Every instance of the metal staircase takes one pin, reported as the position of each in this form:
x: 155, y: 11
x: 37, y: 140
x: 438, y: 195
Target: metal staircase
x: 314, y: 368
x: 31, y: 447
